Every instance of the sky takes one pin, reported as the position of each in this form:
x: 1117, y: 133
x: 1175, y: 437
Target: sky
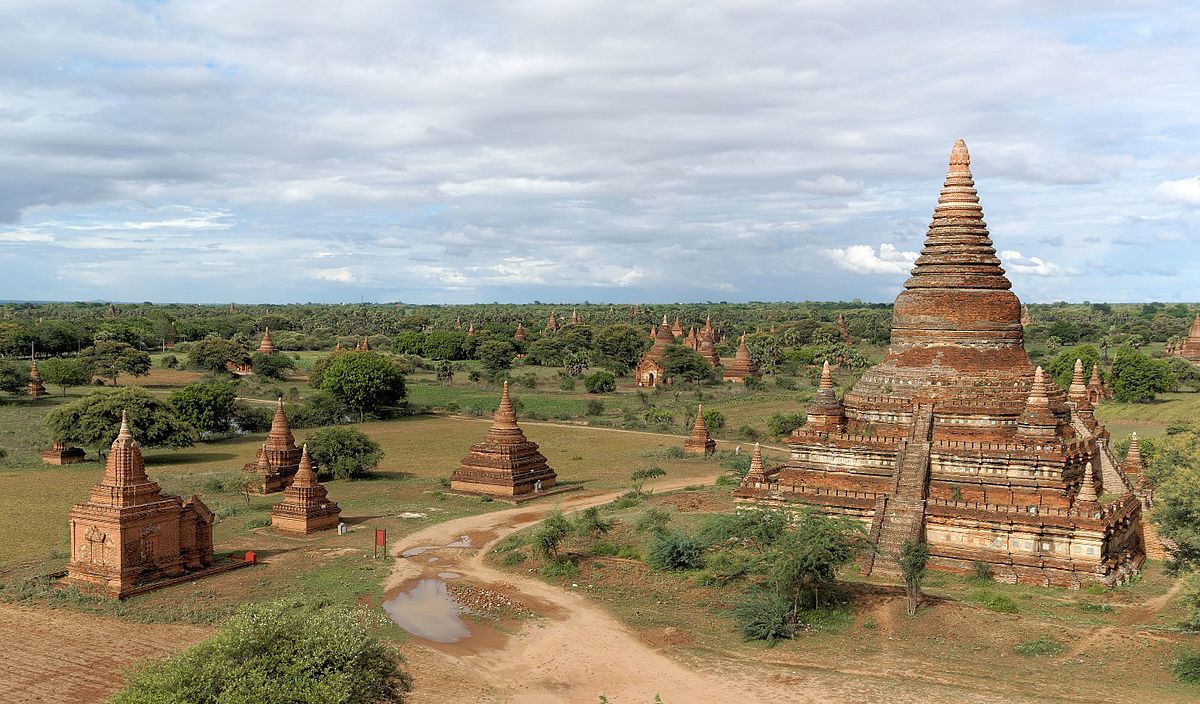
x: 648, y: 151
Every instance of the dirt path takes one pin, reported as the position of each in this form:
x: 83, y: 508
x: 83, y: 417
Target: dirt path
x: 1133, y: 617
x: 88, y: 653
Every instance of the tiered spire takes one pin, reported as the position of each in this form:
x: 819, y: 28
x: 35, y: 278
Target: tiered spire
x: 519, y: 335
x: 1078, y: 391
x: 700, y: 442
x: 1038, y: 421
x: 1087, y: 499
x: 742, y: 365
x: 266, y: 346
x: 305, y: 507
x: 1095, y: 386
x: 758, y: 470
x: 1133, y: 459
x: 677, y: 328
x: 280, y: 437
x: 505, y: 462
x: 826, y: 415
x: 36, y: 387
x: 552, y: 323
x: 125, y: 482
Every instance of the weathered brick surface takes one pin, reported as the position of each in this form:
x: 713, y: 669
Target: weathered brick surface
x: 505, y: 463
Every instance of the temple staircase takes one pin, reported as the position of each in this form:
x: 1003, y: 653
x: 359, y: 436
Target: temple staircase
x: 1112, y: 478
x: 904, y: 514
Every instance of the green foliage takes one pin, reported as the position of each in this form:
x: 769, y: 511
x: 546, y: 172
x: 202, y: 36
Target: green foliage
x: 271, y: 366
x: 3, y: 454
x: 590, y: 523
x: 992, y: 601
x: 207, y: 405
x: 1039, y: 647
x: 169, y: 361
x: 213, y: 353
x: 653, y: 521
x: 63, y: 373
x: 913, y: 560
x: 1186, y: 667
x: 983, y: 571
x: 684, y: 363
x: 714, y: 419
x: 445, y: 372
x: 595, y: 407
x: 93, y: 421
x: 549, y: 535
x: 575, y: 364
x: 558, y: 568
x: 764, y: 615
x: 1062, y: 367
x: 780, y: 425
x: 1174, y: 467
x: 12, y: 379
x: 675, y: 552
x: 1138, y: 378
x: 251, y: 417
x: 495, y: 356
x: 108, y: 359
x: 804, y: 560
x: 618, y: 348
x: 364, y: 381
x: 316, y: 373
x: 283, y: 651
x: 601, y: 382
x: 757, y: 530
x: 753, y: 383
x: 344, y: 453
x: 660, y: 417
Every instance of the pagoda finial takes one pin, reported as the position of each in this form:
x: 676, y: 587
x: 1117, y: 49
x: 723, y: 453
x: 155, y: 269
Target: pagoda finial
x: 1078, y: 391
x: 124, y: 431
x: 1133, y: 458
x: 505, y: 417
x: 305, y: 476
x: 826, y: 378
x: 1087, y: 489
x: 756, y: 461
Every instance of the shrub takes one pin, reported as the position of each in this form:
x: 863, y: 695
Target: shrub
x: 1186, y: 667
x: 781, y: 425
x: 786, y: 383
x: 286, y: 650
x: 714, y: 419
x: 658, y: 416
x: 653, y: 521
x: 1039, y: 647
x: 601, y: 382
x: 590, y: 523
x: 513, y: 559
x: 252, y: 417
x: 169, y: 362
x: 747, y: 432
x: 1000, y: 603
x: 764, y: 615
x: 675, y: 552
x: 549, y: 535
x: 983, y: 570
x: 753, y: 383
x: 595, y: 407
x: 344, y: 453
x: 3, y: 454
x: 565, y: 382
x: 559, y: 568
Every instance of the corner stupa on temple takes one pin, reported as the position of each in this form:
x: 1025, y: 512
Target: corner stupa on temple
x: 278, y: 460
x: 504, y: 463
x: 699, y: 442
x: 742, y: 367
x: 956, y: 440
x: 128, y: 533
x: 266, y: 347
x: 649, y: 370
x: 305, y: 507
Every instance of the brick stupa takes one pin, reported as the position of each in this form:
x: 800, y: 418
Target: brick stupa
x: 1189, y: 349
x: 505, y: 463
x: 128, y: 533
x: 36, y: 387
x: 266, y: 347
x: 60, y: 453
x: 552, y: 323
x: 276, y: 462
x: 699, y: 442
x: 954, y: 439
x: 742, y: 367
x: 305, y: 507
x: 519, y: 335
x: 649, y: 371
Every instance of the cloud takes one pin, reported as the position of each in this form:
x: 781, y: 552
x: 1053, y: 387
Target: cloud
x: 341, y: 275
x: 1184, y: 190
x: 862, y: 259
x: 830, y: 185
x: 1017, y: 263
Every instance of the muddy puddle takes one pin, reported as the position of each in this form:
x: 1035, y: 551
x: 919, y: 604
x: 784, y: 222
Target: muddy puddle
x: 428, y: 611
x: 462, y: 542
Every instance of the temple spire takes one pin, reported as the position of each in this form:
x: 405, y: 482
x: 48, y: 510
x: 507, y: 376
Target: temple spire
x: 1087, y: 489
x: 505, y: 417
x: 758, y: 471
x: 699, y: 442
x: 305, y: 476
x: 1078, y: 391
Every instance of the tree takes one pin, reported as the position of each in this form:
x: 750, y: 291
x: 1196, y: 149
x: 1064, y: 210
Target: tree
x: 206, y: 405
x: 495, y: 356
x: 271, y: 366
x: 108, y: 359
x: 443, y: 344
x: 601, y: 382
x: 12, y: 379
x: 364, y: 381
x: 93, y: 421
x: 316, y: 375
x: 618, y: 348
x: 212, y: 354
x: 445, y: 371
x: 675, y: 552
x: 550, y: 534
x: 590, y: 523
x: 1062, y: 366
x: 575, y: 364
x: 681, y: 362
x: 344, y: 453
x: 913, y: 560
x: 806, y: 559
x: 288, y: 650
x: 1137, y: 378
x: 409, y: 342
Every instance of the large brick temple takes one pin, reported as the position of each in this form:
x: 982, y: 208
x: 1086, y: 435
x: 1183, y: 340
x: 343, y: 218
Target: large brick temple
x: 956, y: 439
x: 1188, y: 348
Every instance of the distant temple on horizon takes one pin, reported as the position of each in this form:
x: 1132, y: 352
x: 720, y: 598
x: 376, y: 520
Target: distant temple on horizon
x: 1189, y: 347
x: 955, y: 439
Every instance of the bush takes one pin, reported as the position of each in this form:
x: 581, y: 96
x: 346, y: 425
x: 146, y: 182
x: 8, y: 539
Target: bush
x: 566, y: 382
x: 252, y: 417
x: 753, y: 383
x: 1186, y: 667
x: 595, y: 407
x: 344, y: 453
x: 560, y: 568
x: 283, y: 651
x: 764, y: 615
x: 601, y: 382
x: 786, y: 383
x: 781, y: 425
x: 206, y: 405
x: 3, y: 454
x: 983, y: 570
x: 271, y: 366
x: 714, y: 419
x: 675, y: 552
x: 658, y: 416
x: 169, y: 362
x: 653, y: 521
x: 549, y: 535
x: 513, y: 559
x: 747, y: 432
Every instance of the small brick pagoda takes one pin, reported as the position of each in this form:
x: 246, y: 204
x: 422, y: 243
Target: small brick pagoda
x: 305, y: 507
x: 59, y: 453
x: 956, y: 440
x: 742, y: 367
x: 699, y: 442
x: 519, y: 335
x: 128, y: 533
x: 1189, y: 349
x: 552, y: 323
x: 266, y: 347
x: 277, y: 461
x: 649, y: 371
x: 36, y: 387
x: 505, y: 463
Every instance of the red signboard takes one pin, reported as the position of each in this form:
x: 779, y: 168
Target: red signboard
x: 380, y: 537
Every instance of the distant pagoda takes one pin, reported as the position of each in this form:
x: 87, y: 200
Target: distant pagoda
x: 742, y: 367
x: 699, y: 442
x: 266, y: 347
x: 1189, y: 349
x: 305, y: 507
x: 505, y: 463
x: 36, y: 387
x: 650, y: 371
x: 278, y: 460
x: 519, y: 335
